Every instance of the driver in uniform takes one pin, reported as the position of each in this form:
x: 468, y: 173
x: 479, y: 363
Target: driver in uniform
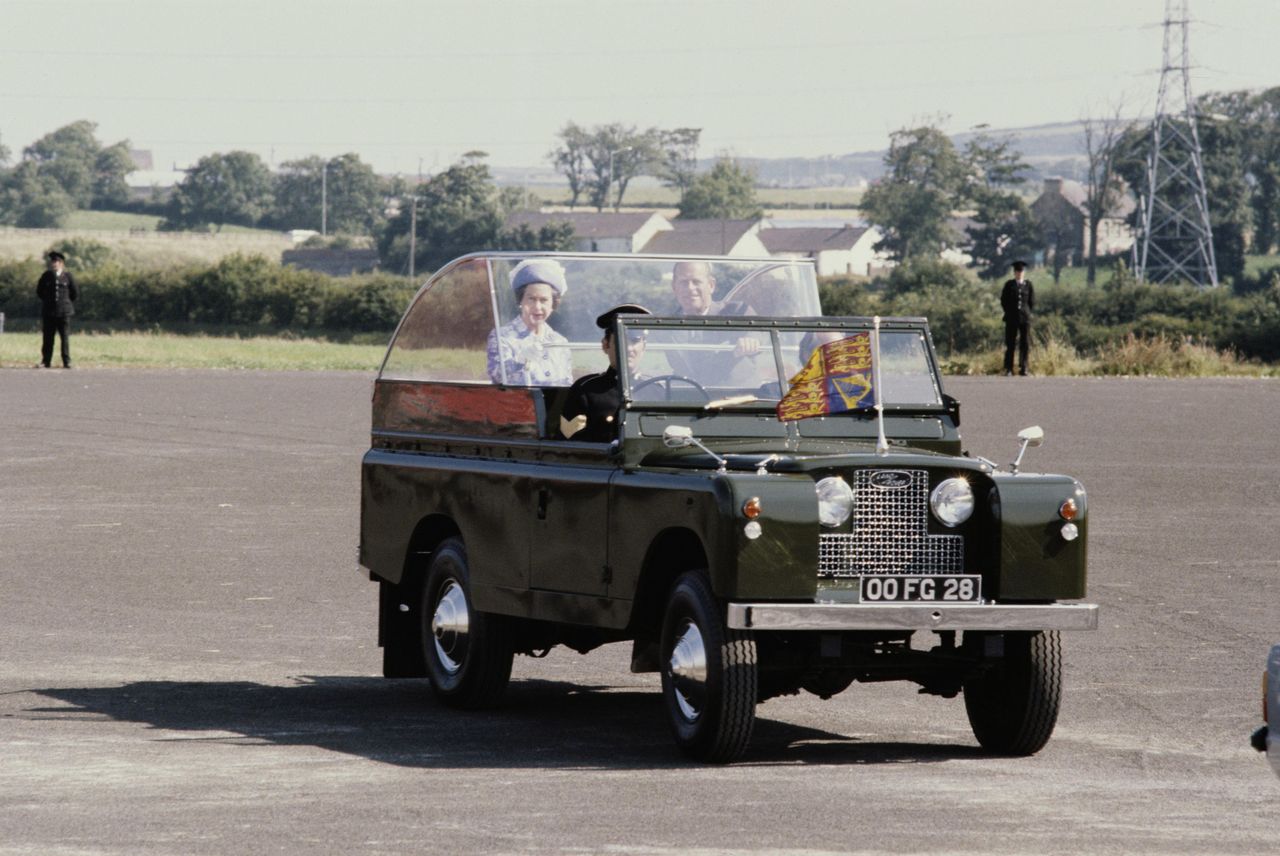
x: 591, y: 406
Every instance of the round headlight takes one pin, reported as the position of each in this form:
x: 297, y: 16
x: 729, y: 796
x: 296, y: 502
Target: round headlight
x: 952, y: 502
x: 835, y: 501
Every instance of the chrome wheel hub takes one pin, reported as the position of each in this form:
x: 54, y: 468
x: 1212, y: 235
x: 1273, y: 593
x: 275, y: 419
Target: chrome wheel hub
x: 689, y: 671
x: 450, y: 625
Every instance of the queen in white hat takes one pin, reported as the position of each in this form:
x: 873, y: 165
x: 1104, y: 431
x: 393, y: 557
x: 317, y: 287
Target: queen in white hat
x: 526, y: 349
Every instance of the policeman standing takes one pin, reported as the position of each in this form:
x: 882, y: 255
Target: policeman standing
x: 591, y: 406
x: 1018, y: 299
x: 57, y: 292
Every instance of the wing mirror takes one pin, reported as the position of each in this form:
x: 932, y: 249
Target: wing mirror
x: 677, y: 436
x: 1028, y: 437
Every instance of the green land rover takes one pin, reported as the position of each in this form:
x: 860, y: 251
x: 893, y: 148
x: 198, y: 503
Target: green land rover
x: 768, y: 500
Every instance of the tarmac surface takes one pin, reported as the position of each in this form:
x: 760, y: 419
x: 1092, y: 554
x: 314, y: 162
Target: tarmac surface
x: 188, y: 657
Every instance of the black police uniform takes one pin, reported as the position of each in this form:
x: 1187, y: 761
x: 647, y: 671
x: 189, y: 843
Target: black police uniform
x: 599, y: 398
x: 1017, y: 300
x: 58, y: 294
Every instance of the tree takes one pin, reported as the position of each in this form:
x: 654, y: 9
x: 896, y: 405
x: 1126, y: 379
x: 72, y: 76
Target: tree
x: 1232, y: 177
x: 570, y: 157
x: 91, y: 175
x: 678, y: 164
x: 618, y: 153
x: 1006, y: 229
x: 1103, y: 186
x: 727, y: 192
x: 461, y: 211
x: 556, y: 236
x: 1263, y: 152
x: 345, y: 190
x: 112, y: 164
x: 458, y: 211
x: 925, y: 181
x: 220, y: 189
x: 33, y: 200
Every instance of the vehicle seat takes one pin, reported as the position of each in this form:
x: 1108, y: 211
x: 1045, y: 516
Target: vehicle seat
x: 554, y: 398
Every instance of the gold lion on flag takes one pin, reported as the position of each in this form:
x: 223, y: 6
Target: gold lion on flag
x: 837, y: 378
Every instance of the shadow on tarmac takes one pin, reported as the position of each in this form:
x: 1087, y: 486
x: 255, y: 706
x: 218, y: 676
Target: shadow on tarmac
x: 542, y: 723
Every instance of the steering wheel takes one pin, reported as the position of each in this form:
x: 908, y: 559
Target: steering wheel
x: 667, y: 380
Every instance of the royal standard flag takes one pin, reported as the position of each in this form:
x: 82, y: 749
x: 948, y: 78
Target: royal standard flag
x: 836, y: 378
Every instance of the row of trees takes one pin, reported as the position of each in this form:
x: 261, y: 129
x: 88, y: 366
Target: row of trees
x: 929, y: 179
x: 61, y: 172
x: 600, y: 162
x: 340, y: 194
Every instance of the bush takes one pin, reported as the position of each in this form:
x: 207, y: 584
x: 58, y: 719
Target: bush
x: 376, y: 302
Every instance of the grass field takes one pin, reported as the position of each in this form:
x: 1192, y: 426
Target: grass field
x: 139, y: 246
x: 112, y: 221
x: 1159, y: 358
x: 148, y: 350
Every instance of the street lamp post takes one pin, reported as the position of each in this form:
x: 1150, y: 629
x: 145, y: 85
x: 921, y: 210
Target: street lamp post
x: 612, y: 175
x: 324, y: 198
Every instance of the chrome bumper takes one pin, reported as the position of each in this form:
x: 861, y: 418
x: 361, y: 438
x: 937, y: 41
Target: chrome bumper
x: 912, y: 616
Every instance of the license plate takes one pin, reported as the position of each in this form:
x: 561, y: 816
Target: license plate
x: 946, y: 588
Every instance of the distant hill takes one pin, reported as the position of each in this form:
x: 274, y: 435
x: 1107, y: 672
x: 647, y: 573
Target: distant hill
x: 1056, y: 149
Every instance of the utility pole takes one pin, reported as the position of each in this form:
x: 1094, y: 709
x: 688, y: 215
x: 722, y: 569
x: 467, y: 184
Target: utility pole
x: 413, y: 232
x: 324, y: 199
x: 1175, y: 241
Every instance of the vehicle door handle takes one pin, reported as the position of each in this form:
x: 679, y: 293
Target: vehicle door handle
x: 544, y: 496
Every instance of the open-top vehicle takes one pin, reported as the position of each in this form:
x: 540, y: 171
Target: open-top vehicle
x: 779, y: 503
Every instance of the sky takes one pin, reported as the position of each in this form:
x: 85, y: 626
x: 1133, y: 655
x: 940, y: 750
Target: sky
x: 410, y: 85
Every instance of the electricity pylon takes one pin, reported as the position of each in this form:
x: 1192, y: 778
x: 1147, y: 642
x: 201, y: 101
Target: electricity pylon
x: 1175, y: 242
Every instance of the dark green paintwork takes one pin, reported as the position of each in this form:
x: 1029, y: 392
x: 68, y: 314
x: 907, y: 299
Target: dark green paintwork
x: 575, y: 533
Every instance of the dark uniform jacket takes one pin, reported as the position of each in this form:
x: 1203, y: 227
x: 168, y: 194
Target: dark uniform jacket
x: 1017, y: 302
x: 598, y: 396
x: 57, y: 294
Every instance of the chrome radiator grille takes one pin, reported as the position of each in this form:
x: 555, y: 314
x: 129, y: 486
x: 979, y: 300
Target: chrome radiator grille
x: 889, y: 533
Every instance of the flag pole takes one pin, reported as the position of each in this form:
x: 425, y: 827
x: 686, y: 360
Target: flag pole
x: 882, y: 445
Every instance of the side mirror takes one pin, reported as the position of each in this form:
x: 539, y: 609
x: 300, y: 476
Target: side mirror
x: 1032, y: 436
x: 677, y: 436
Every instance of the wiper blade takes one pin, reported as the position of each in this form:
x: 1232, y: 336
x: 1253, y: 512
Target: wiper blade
x: 735, y: 400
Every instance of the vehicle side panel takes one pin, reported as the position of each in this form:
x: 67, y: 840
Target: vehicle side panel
x: 491, y: 501
x: 1036, y: 563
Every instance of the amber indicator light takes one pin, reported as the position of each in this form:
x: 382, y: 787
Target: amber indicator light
x: 751, y: 508
x: 1068, y: 510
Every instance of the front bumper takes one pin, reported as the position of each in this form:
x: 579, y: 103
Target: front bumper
x: 912, y: 616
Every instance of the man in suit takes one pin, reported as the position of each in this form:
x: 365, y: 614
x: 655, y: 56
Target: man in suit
x: 57, y: 292
x: 1018, y: 299
x: 693, y: 285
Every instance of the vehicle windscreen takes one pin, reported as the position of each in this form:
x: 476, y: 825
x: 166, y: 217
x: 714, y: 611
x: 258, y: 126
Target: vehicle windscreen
x: 757, y: 366
x: 472, y: 322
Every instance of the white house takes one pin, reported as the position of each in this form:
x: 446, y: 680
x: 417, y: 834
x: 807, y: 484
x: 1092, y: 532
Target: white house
x: 599, y: 232
x: 845, y: 249
x: 709, y: 238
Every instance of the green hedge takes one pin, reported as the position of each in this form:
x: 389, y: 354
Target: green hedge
x: 243, y: 291
x: 965, y: 315
x: 964, y: 312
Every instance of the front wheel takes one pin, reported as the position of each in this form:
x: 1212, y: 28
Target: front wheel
x: 1013, y: 706
x: 708, y: 674
x: 468, y: 654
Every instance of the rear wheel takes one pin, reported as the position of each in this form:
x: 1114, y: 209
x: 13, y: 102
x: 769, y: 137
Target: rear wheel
x: 468, y: 653
x: 1013, y: 706
x: 708, y: 674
